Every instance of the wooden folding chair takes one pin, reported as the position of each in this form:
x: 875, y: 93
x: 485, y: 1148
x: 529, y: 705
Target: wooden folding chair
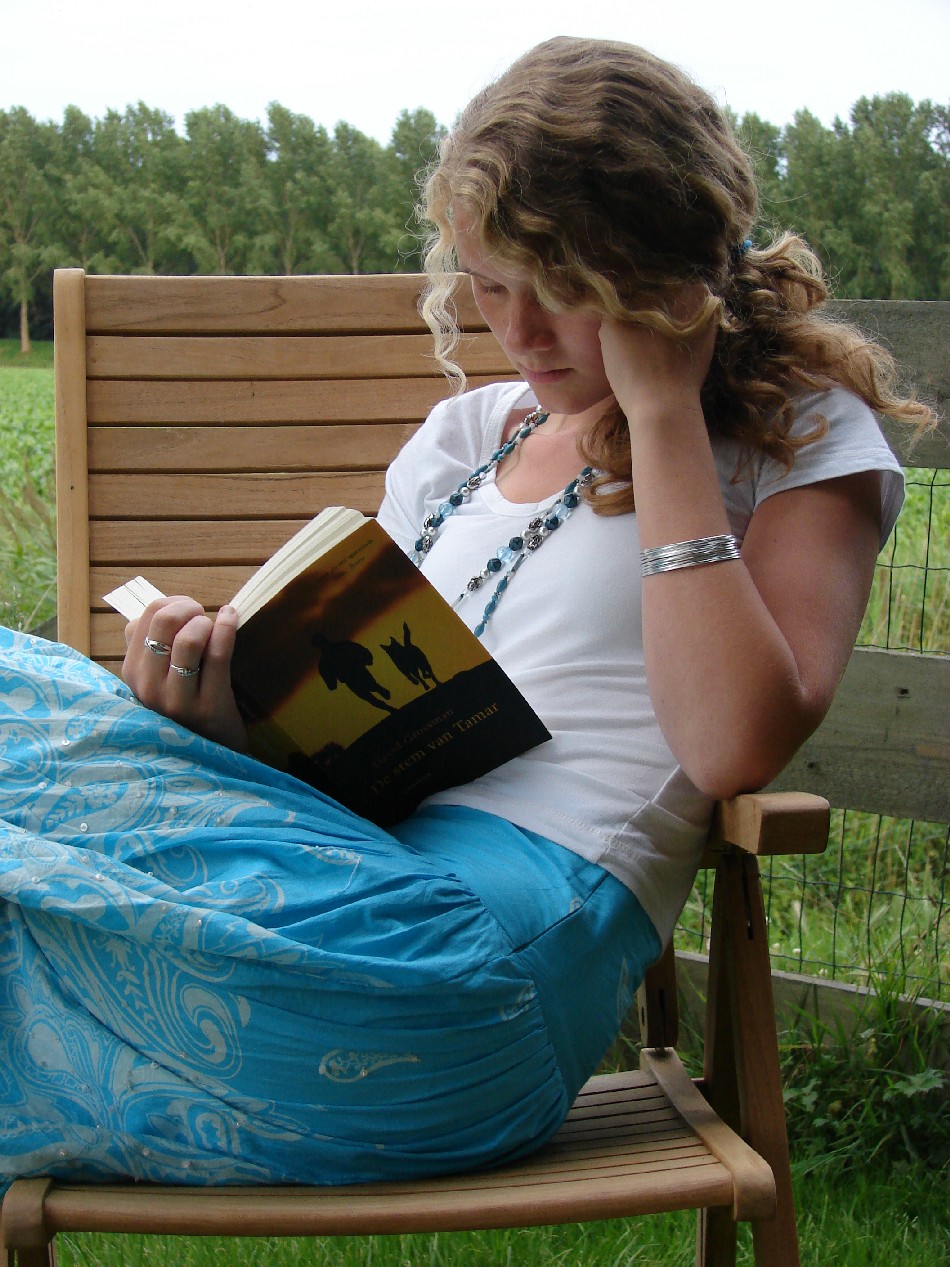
x: 199, y: 422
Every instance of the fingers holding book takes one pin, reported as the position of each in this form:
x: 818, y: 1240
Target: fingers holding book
x: 178, y: 664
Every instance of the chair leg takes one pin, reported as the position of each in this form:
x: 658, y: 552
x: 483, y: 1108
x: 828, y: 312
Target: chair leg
x: 716, y: 1230
x: 24, y: 1240
x: 33, y: 1257
x: 716, y: 1238
x: 45, y: 1257
x: 743, y: 1077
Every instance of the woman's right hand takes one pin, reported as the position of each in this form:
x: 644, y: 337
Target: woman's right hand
x: 178, y: 663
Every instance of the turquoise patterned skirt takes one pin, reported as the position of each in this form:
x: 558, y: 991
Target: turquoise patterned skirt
x: 209, y: 973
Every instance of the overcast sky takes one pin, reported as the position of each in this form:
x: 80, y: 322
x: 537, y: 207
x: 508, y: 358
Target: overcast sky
x: 364, y: 61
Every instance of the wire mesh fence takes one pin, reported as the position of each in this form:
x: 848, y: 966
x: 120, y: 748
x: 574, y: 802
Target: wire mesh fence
x: 875, y: 904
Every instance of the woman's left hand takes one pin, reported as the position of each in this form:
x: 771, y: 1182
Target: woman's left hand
x: 651, y: 372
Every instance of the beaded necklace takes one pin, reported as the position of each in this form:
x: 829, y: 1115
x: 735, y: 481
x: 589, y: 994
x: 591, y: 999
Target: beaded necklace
x: 506, y: 561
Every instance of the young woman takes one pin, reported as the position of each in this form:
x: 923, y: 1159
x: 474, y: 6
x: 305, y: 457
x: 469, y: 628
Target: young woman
x: 665, y: 532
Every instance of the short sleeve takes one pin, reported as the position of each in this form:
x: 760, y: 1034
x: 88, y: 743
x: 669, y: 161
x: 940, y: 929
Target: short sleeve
x: 850, y: 442
x: 448, y: 446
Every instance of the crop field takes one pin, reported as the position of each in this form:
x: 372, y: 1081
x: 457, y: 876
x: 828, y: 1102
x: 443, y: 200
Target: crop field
x: 27, y: 514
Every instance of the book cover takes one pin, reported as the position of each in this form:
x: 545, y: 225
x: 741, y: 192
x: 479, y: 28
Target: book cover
x: 359, y: 678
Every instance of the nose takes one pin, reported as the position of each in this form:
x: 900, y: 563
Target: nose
x: 529, y: 327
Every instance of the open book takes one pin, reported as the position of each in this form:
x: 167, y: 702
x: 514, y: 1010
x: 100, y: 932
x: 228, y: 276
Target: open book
x: 355, y: 675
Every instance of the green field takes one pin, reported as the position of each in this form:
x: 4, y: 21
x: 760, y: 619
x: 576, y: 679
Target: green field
x: 27, y: 517
x: 39, y: 358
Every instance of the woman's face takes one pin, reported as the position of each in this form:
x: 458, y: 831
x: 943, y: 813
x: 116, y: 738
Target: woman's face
x: 557, y: 353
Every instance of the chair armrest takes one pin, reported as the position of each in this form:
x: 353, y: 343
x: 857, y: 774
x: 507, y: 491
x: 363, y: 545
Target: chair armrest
x: 768, y: 823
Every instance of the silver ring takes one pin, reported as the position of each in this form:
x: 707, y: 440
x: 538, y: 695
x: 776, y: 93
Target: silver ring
x: 176, y: 668
x: 157, y: 648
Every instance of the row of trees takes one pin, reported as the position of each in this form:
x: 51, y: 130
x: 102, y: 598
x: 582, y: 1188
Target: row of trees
x: 129, y: 193
x: 872, y: 196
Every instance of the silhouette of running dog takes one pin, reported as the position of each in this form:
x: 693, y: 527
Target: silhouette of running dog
x: 410, y: 660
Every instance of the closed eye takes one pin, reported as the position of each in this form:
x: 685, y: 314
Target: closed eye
x: 486, y: 287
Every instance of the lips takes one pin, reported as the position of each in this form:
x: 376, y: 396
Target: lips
x: 544, y: 377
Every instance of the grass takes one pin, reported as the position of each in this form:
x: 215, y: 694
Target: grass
x: 876, y: 896
x: 27, y: 516
x: 39, y: 358
x: 909, y: 607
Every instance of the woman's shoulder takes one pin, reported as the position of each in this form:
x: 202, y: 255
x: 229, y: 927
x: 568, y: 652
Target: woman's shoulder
x: 460, y: 428
x: 484, y: 406
x: 839, y: 435
x: 457, y: 436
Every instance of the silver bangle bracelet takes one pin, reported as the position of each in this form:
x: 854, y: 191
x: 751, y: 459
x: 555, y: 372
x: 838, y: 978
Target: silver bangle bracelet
x: 689, y: 554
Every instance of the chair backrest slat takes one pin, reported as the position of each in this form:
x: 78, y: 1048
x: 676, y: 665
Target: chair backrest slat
x: 293, y: 357
x: 252, y: 305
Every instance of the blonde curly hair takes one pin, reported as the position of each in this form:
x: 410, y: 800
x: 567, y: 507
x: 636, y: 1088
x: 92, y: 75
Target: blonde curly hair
x: 611, y: 180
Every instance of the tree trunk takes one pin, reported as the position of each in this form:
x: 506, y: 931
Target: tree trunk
x: 25, y: 345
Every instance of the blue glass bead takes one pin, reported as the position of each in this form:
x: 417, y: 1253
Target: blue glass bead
x: 494, y: 565
x: 516, y: 543
x: 418, y: 546
x: 571, y: 501
x: 456, y: 499
x: 506, y: 554
x: 552, y: 522
x: 446, y: 509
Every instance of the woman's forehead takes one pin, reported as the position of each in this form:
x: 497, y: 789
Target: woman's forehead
x: 473, y: 247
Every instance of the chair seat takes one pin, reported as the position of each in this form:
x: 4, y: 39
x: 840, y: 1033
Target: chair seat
x: 633, y: 1143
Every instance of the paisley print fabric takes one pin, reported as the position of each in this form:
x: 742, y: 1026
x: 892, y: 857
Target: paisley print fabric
x: 210, y: 973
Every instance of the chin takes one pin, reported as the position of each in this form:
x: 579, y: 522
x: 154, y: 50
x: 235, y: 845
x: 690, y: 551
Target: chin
x: 570, y: 400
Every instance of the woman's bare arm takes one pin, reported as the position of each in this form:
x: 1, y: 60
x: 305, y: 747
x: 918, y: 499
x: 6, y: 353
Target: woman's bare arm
x: 742, y: 657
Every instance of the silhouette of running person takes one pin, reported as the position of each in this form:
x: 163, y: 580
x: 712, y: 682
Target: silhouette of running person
x: 348, y: 663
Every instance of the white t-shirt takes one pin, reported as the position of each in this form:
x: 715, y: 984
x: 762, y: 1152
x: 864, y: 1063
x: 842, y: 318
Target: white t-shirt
x: 568, y: 633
